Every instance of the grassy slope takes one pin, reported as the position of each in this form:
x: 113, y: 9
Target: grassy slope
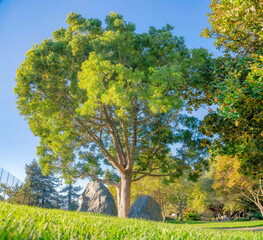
x: 23, y: 222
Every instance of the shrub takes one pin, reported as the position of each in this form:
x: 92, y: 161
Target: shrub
x: 192, y: 216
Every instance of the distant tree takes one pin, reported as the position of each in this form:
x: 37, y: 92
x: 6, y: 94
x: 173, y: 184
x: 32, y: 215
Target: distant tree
x: 98, y: 95
x: 218, y: 201
x: 2, y: 188
x: 8, y: 191
x: 22, y: 195
x: 229, y: 178
x: 42, y: 186
x: 176, y: 196
x: 17, y: 194
x: 185, y: 194
x: 154, y: 187
x: 71, y: 197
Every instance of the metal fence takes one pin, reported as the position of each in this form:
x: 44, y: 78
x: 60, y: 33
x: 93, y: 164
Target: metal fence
x: 8, y: 179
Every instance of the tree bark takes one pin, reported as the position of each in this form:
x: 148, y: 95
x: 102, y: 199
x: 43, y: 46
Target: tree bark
x: 181, y: 215
x: 69, y: 196
x: 164, y: 210
x: 259, y: 205
x: 123, y: 195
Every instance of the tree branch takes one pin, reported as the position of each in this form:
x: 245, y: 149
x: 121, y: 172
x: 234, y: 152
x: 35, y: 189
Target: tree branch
x: 157, y: 130
x: 134, y: 137
x: 115, y: 137
x: 152, y: 175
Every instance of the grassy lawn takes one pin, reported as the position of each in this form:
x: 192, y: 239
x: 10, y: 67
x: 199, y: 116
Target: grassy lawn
x: 234, y: 224
x: 23, y: 222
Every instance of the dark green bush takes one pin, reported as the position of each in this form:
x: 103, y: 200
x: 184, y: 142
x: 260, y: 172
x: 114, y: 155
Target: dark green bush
x: 257, y: 216
x: 192, y: 216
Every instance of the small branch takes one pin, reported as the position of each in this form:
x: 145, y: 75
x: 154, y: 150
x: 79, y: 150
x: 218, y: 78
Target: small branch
x: 144, y: 122
x: 152, y: 175
x: 83, y: 175
x: 108, y: 156
x: 134, y: 138
x: 157, y: 130
x: 97, y: 179
x: 115, y: 136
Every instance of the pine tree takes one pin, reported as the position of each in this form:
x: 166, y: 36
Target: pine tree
x: 71, y: 197
x: 43, y: 187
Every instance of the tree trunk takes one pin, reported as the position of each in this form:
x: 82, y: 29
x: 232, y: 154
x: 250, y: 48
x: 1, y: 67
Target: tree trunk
x: 181, y: 215
x: 261, y: 211
x: 164, y: 210
x: 259, y: 205
x: 69, y: 196
x: 123, y: 195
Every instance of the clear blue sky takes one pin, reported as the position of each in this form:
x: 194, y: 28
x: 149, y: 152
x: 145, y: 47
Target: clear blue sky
x: 26, y: 22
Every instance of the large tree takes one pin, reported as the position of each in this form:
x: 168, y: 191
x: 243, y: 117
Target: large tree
x: 237, y: 87
x: 109, y: 95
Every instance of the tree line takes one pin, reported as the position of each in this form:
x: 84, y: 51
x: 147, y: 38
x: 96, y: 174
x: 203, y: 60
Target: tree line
x: 45, y: 191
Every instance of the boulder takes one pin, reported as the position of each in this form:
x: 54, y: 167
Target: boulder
x: 97, y: 199
x: 225, y: 218
x: 146, y: 207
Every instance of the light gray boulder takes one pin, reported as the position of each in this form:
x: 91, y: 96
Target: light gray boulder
x: 97, y: 199
x: 145, y: 207
x: 225, y: 218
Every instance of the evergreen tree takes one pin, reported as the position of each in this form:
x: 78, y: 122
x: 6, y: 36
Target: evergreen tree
x: 71, y: 197
x: 43, y: 187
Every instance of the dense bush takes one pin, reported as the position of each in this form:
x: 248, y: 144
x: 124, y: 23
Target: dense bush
x: 192, y: 216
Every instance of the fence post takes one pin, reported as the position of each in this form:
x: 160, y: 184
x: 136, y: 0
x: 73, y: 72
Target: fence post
x: 1, y: 175
x: 13, y: 181
x: 7, y: 178
x: 6, y: 182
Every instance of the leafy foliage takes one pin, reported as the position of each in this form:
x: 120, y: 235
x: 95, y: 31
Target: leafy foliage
x: 229, y: 178
x: 236, y: 25
x: 21, y: 195
x: 237, y: 88
x: 220, y: 202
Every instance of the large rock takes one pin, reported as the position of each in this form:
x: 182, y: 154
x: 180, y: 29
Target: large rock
x: 97, y: 199
x: 225, y: 218
x: 146, y: 207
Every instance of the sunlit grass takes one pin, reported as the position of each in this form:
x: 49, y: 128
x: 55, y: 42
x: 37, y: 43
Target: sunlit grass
x: 23, y: 222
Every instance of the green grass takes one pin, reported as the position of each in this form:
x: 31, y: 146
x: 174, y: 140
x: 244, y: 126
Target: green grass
x: 236, y: 224
x: 23, y: 222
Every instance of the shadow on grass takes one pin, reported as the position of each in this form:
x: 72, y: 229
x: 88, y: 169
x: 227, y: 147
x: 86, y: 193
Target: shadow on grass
x: 231, y: 225
x: 238, y: 227
x: 185, y: 222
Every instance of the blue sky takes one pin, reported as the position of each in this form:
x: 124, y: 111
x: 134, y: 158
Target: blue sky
x: 27, y: 22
